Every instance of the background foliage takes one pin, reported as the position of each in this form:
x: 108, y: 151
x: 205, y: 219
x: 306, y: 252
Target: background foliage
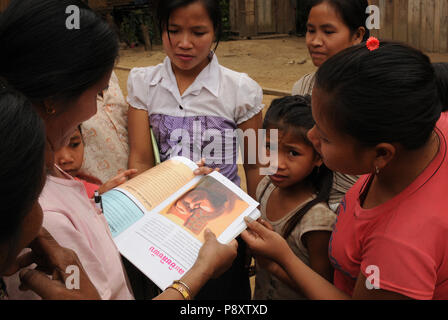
x: 129, y: 22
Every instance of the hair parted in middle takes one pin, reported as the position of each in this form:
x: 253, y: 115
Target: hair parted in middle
x: 292, y: 114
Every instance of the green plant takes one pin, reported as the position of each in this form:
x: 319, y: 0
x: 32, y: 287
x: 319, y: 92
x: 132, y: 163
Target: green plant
x: 130, y: 31
x: 225, y: 18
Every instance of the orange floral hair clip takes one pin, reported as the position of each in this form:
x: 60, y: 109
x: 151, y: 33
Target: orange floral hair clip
x: 373, y: 43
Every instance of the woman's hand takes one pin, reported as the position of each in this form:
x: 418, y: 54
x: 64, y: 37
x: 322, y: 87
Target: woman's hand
x: 64, y: 267
x: 203, y: 170
x: 215, y: 258
x: 117, y: 180
x: 265, y: 242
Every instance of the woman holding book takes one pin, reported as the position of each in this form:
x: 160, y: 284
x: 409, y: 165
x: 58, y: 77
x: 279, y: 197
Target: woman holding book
x: 73, y: 66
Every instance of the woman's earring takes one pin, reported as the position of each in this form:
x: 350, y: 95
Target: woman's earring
x: 50, y: 111
x: 377, y: 170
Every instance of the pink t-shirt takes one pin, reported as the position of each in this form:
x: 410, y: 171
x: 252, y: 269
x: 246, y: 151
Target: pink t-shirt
x: 403, y: 241
x: 74, y: 221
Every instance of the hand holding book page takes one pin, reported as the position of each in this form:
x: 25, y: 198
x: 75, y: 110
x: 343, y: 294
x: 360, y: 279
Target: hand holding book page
x: 158, y: 218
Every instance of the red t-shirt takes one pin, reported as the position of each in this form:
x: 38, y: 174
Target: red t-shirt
x: 90, y: 187
x: 406, y: 238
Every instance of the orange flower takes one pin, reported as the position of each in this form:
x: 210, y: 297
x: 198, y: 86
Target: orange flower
x: 373, y: 43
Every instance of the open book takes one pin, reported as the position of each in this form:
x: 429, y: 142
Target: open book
x: 158, y: 218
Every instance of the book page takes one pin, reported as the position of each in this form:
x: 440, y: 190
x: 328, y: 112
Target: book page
x: 165, y: 242
x: 120, y: 211
x: 166, y: 178
x: 214, y: 202
x: 160, y: 249
x: 124, y: 205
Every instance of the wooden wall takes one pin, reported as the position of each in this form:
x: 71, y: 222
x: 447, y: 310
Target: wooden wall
x: 420, y: 23
x: 255, y: 17
x: 97, y: 4
x: 3, y: 4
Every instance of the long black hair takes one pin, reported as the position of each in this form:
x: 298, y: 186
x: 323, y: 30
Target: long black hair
x: 441, y: 69
x: 386, y: 95
x: 42, y: 58
x: 22, y: 148
x: 293, y: 114
x: 213, y: 8
x: 352, y: 12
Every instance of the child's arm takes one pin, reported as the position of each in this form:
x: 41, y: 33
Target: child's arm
x: 317, y: 245
x: 276, y: 270
x: 116, y: 181
x: 271, y: 266
x: 251, y: 170
x: 141, y: 155
x: 273, y: 246
x: 87, y: 177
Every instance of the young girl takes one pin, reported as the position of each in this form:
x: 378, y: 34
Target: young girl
x: 189, y: 96
x: 332, y: 26
x: 378, y: 113
x: 302, y: 185
x: 70, y: 159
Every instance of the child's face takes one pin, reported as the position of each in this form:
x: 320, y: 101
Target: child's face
x: 339, y: 151
x: 296, y: 159
x: 327, y: 34
x: 191, y: 35
x: 70, y: 157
